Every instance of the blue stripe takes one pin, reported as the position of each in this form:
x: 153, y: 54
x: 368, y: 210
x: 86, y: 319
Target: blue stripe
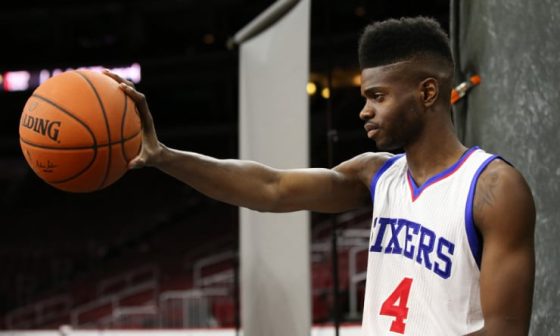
x: 380, y: 172
x: 473, y: 235
x: 418, y: 190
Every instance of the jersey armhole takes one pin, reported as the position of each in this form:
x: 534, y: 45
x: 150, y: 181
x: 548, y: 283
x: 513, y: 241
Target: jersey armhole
x: 473, y: 234
x: 380, y: 172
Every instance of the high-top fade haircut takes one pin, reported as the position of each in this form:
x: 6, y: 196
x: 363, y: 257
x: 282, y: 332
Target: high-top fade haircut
x: 392, y: 41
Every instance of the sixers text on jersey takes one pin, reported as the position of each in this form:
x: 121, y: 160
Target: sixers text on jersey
x: 416, y: 242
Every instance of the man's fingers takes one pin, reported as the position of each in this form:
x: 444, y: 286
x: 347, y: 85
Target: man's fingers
x: 138, y: 97
x: 117, y: 78
x: 142, y: 107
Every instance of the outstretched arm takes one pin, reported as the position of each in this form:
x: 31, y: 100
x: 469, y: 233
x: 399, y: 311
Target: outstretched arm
x: 504, y: 212
x: 254, y: 185
x: 259, y: 187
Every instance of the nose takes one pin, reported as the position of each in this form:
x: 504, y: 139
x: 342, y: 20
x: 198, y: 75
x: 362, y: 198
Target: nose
x: 367, y: 112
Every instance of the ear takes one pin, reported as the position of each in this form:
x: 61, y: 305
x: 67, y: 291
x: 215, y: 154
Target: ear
x: 429, y: 91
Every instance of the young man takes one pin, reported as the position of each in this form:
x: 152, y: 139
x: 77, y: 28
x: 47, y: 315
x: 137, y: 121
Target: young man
x: 451, y: 250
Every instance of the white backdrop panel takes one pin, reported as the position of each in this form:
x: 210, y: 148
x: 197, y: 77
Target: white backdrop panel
x: 275, y: 269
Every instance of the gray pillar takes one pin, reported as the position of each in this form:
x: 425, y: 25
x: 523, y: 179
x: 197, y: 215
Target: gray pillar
x: 515, y: 46
x: 275, y: 265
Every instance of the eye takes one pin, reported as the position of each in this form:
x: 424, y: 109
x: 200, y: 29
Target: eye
x: 378, y: 97
x: 375, y: 95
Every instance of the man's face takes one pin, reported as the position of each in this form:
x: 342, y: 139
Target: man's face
x: 393, y: 106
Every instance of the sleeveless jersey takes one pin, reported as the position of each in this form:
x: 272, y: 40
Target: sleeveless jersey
x: 424, y: 252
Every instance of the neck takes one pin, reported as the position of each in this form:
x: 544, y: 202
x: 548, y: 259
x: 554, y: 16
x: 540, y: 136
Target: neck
x: 436, y: 149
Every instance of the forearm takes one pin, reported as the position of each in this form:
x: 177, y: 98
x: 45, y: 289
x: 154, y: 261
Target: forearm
x: 241, y: 183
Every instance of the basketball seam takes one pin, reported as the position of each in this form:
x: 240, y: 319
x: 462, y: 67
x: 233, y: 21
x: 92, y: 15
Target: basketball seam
x: 111, y: 144
x: 107, y: 168
x: 94, y: 147
x: 27, y: 142
x: 79, y: 148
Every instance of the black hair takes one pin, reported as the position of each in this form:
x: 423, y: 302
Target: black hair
x: 391, y: 41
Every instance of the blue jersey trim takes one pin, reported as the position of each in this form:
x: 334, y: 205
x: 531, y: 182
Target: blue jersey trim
x: 380, y: 172
x: 473, y: 235
x: 416, y: 191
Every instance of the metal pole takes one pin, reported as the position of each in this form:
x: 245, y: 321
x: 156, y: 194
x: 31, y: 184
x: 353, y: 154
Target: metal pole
x: 331, y: 139
x: 266, y: 19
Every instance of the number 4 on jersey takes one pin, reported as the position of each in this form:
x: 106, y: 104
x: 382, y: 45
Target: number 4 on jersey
x: 395, y: 305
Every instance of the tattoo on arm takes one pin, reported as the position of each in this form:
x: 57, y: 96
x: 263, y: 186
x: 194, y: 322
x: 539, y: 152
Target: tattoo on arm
x: 486, y: 192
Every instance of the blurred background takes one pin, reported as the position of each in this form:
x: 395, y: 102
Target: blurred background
x: 149, y: 252
x: 67, y: 258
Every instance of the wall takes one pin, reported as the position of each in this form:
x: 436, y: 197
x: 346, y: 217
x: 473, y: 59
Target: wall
x: 514, y: 46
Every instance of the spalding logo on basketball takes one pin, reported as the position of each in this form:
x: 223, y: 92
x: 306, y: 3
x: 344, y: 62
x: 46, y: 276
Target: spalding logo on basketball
x: 78, y: 131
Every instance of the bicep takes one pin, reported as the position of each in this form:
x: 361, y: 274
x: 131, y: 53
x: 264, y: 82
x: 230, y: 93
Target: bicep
x: 505, y: 214
x: 320, y: 190
x: 342, y: 188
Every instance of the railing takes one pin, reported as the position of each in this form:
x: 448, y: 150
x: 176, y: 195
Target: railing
x: 350, y: 242
x: 38, y: 313
x: 105, y: 306
x: 199, y: 280
x: 130, y: 278
x: 189, y: 309
x: 345, y: 221
x: 141, y: 317
x: 203, y: 306
x: 356, y: 277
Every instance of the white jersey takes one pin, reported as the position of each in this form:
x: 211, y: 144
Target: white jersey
x: 424, y: 253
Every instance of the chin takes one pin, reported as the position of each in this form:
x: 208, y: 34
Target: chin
x: 387, y: 146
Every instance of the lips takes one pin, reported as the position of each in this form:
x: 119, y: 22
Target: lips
x: 371, y: 129
x: 370, y: 126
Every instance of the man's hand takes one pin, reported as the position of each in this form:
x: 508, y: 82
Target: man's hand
x: 251, y: 184
x: 151, y: 147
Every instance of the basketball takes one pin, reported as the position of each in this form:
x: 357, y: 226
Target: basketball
x: 78, y: 131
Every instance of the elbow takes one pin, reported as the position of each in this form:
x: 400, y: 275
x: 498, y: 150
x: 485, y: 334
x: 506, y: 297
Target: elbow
x: 262, y: 208
x: 271, y: 203
x: 264, y: 203
x: 270, y: 206
x: 271, y: 198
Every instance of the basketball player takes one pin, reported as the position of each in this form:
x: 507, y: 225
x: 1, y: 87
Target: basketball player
x: 451, y: 250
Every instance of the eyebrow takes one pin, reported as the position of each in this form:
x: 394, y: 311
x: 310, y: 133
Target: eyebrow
x: 370, y: 89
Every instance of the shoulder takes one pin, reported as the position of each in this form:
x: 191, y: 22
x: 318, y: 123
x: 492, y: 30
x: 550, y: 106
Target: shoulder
x: 364, y: 166
x: 502, y: 198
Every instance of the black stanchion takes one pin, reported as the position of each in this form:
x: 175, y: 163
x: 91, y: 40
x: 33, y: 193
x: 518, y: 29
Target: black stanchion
x: 331, y: 139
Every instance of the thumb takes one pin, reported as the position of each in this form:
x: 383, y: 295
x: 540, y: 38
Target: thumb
x: 136, y: 163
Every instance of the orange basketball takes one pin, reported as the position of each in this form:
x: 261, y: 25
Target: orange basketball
x: 78, y: 131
